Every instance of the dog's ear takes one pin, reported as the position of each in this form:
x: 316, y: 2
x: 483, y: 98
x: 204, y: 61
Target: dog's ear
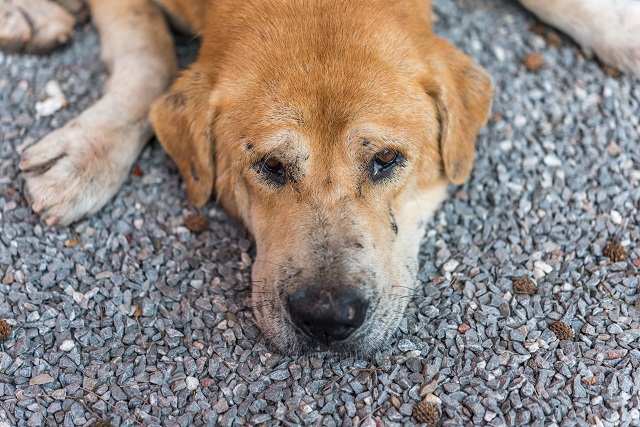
x: 463, y: 92
x: 183, y: 121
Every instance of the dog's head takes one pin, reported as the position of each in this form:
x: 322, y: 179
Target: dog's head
x: 332, y: 134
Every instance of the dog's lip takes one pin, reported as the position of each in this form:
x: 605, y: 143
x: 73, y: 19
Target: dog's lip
x: 352, y: 344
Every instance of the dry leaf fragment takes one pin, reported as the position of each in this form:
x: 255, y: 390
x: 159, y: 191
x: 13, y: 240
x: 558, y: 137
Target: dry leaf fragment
x: 41, y: 379
x: 538, y: 29
x: 71, y: 243
x: 611, y: 72
x: 561, y: 330
x: 101, y: 423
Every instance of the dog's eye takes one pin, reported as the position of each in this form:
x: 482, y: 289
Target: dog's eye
x: 274, y: 170
x: 383, y: 162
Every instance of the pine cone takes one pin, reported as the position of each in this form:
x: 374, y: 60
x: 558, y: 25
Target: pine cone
x: 533, y: 62
x: 197, y: 223
x: 562, y: 330
x: 426, y: 413
x: 5, y: 330
x: 615, y: 251
x: 525, y: 286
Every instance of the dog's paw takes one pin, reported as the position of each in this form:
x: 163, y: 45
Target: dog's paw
x: 34, y: 26
x: 75, y: 170
x: 618, y: 41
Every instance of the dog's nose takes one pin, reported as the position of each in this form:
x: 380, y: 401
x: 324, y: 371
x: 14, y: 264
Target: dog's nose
x: 327, y: 315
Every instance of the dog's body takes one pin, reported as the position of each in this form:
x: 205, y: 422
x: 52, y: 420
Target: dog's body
x: 330, y: 128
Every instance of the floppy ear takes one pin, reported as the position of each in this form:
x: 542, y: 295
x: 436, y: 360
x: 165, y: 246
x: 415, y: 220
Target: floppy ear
x: 183, y: 121
x: 463, y: 92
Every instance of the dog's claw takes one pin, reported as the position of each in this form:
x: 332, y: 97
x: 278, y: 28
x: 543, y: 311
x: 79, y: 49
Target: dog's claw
x: 52, y: 221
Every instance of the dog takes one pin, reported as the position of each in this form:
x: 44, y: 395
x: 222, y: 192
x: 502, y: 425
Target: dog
x: 330, y: 128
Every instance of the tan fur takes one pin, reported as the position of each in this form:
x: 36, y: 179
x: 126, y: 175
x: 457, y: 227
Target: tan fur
x: 322, y: 86
x: 326, y: 85
x: 75, y: 170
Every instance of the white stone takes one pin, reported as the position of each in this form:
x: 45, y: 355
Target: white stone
x: 616, y: 218
x: 450, y: 265
x: 432, y: 399
x: 60, y: 393
x: 543, y: 266
x: 552, y: 160
x: 519, y: 121
x: 192, y: 383
x: 542, y: 343
x: 530, y: 161
x: 594, y: 420
x: 77, y: 297
x: 506, y: 145
x: 54, y: 102
x: 67, y: 345
x: 532, y: 346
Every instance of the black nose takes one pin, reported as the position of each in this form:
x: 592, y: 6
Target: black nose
x: 327, y: 315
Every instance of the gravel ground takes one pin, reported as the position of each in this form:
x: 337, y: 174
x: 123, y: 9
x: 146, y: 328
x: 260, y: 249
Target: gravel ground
x: 131, y: 317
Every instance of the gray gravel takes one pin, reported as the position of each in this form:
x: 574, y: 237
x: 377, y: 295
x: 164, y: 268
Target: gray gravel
x: 557, y: 177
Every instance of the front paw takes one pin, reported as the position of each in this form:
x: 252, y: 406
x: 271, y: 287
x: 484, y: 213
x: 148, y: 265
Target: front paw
x: 70, y: 174
x: 615, y: 38
x: 33, y: 26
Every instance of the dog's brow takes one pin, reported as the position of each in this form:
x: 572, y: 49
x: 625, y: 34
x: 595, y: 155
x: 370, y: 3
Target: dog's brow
x: 285, y: 113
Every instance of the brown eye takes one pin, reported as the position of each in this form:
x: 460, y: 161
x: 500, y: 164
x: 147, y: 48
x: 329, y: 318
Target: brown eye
x: 273, y: 164
x: 273, y: 170
x: 383, y: 163
x: 386, y: 156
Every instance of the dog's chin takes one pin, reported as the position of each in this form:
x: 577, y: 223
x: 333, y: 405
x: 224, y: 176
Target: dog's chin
x: 293, y: 342
x: 348, y: 348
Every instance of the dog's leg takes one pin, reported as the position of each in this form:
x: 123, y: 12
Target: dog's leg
x: 75, y: 170
x: 610, y: 28
x: 186, y: 16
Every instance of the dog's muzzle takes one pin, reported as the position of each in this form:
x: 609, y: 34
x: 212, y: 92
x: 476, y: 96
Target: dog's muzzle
x: 329, y: 314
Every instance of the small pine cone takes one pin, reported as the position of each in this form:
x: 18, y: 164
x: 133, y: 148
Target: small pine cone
x: 525, y: 286
x: 561, y: 330
x: 615, y: 251
x: 5, y: 330
x: 426, y: 413
x: 197, y: 223
x: 533, y: 62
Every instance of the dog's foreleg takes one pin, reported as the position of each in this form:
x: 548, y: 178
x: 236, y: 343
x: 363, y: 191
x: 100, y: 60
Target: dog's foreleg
x: 75, y: 170
x: 608, y: 28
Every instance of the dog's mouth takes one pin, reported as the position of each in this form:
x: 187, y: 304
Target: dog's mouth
x: 326, y: 318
